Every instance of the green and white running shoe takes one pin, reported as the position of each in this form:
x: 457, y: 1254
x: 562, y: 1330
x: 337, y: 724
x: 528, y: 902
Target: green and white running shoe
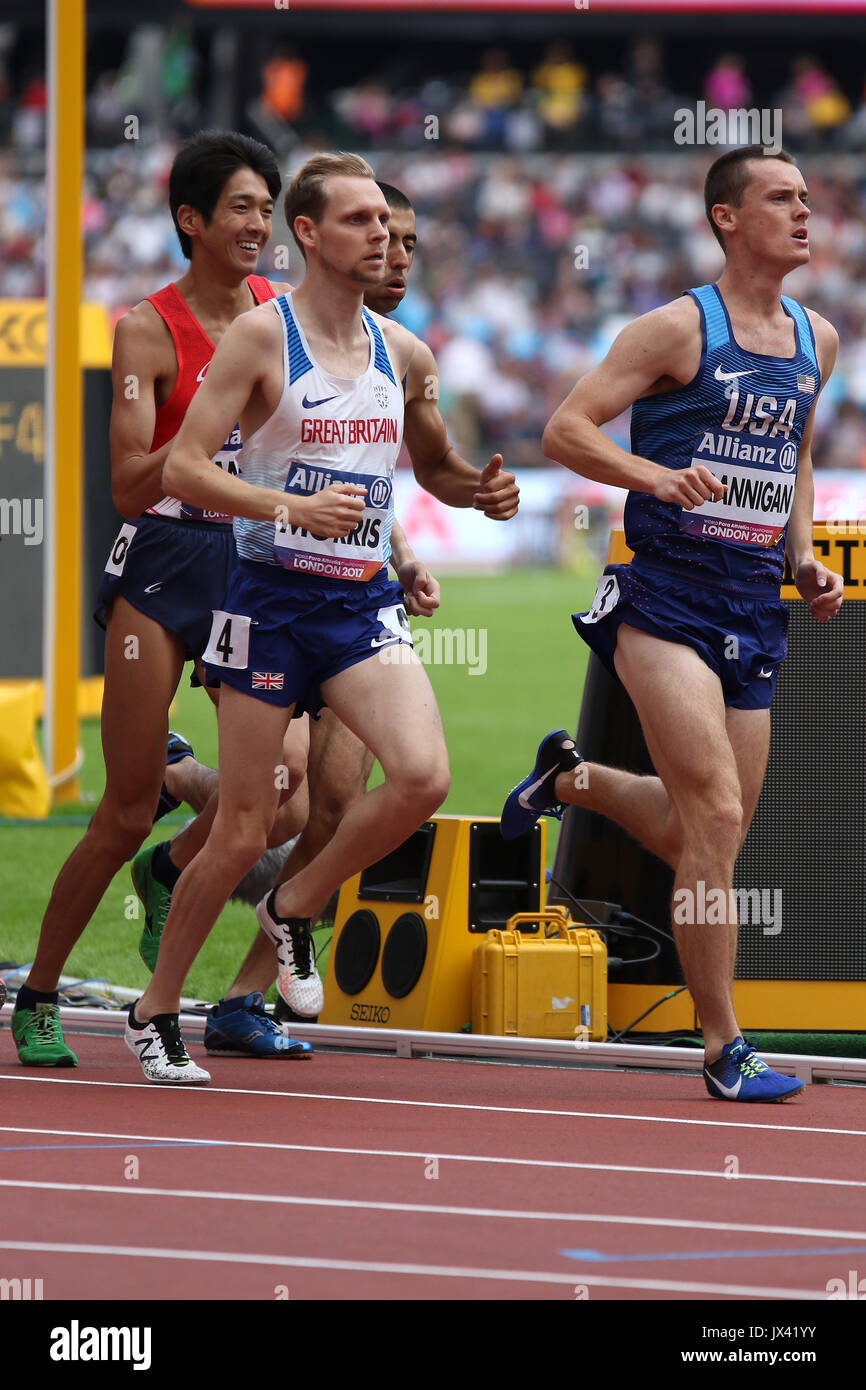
x: 39, y: 1037
x: 156, y: 900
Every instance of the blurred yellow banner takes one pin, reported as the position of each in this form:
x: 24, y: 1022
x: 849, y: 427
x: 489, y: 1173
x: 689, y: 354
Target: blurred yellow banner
x: 23, y: 329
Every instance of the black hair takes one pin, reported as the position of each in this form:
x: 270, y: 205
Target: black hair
x: 394, y: 198
x: 203, y: 166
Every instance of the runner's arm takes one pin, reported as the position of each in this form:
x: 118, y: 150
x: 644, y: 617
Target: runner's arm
x: 136, y: 363
x: 821, y: 588
x: 236, y: 370
x: 436, y: 463
x: 420, y: 588
x: 658, y: 345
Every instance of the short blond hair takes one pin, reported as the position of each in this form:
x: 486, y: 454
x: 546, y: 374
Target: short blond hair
x: 306, y: 195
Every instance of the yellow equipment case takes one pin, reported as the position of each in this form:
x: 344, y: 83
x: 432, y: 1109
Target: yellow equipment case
x: 550, y: 986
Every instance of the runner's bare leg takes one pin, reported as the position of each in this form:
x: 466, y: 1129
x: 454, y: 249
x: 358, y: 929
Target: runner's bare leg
x: 388, y: 703
x: 251, y: 741
x: 137, y: 695
x: 337, y: 771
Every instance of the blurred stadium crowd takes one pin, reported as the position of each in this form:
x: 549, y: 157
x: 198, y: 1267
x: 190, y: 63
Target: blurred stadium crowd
x: 549, y: 212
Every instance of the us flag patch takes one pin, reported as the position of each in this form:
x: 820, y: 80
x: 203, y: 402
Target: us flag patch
x: 267, y: 680
x: 805, y: 383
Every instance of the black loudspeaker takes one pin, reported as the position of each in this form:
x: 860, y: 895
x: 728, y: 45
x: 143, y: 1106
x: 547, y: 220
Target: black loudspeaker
x: 803, y: 966
x: 408, y: 926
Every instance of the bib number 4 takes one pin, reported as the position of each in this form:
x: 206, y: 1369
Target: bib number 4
x: 229, y: 642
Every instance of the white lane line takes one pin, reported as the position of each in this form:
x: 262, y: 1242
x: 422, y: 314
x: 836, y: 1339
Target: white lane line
x: 439, y: 1105
x: 428, y: 1209
x: 517, y: 1276
x: 427, y: 1154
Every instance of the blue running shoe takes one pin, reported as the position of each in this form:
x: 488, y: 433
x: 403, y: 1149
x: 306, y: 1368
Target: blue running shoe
x: 242, y: 1028
x: 535, y: 796
x: 739, y: 1074
x: 177, y: 748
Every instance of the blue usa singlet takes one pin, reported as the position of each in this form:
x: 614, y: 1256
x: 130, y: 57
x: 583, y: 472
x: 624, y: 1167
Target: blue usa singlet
x: 742, y: 416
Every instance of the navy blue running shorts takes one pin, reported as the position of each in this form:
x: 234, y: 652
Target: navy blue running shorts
x: 280, y: 635
x: 175, y: 572
x: 742, y: 638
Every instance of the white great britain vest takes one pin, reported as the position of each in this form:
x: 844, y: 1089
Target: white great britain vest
x: 326, y: 430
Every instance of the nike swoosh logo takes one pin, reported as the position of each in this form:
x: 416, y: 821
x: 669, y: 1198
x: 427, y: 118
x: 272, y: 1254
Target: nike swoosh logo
x: 153, y: 588
x: 380, y: 641
x: 730, y: 376
x: 311, y: 405
x: 765, y: 675
x: 730, y: 1091
x: 527, y: 792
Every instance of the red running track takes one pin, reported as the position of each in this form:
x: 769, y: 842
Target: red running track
x: 358, y: 1177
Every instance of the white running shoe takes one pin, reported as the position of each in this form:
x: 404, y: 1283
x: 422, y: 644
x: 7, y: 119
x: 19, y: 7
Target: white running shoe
x: 298, y: 982
x: 159, y: 1048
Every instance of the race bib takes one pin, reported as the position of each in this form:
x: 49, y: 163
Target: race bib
x: 362, y: 553
x: 760, y: 480
x: 120, y: 549
x: 396, y: 625
x: 229, y: 641
x: 606, y: 599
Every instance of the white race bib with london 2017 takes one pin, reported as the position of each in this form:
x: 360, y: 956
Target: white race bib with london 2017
x: 362, y: 553
x: 759, y: 479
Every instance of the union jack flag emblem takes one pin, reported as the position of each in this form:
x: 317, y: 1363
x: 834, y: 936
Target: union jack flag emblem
x: 267, y: 680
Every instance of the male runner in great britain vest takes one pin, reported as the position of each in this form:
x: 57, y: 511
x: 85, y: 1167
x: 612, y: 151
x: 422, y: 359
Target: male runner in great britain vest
x: 310, y: 615
x: 338, y: 769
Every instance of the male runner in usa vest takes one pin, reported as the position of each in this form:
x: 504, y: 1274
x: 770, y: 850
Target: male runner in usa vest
x: 315, y: 382
x: 170, y: 564
x: 722, y: 385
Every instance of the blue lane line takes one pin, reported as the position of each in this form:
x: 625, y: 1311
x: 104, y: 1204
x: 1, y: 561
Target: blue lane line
x: 603, y: 1257
x: 169, y: 1144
